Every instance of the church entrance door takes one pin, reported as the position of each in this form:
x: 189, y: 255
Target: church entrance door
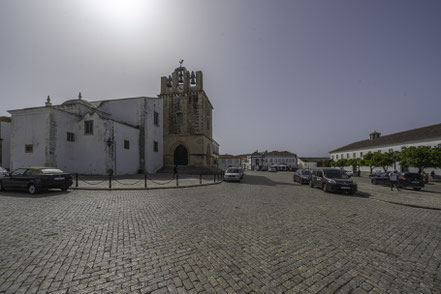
x: 181, y: 155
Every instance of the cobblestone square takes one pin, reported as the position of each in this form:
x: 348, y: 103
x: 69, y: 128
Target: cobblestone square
x: 263, y: 235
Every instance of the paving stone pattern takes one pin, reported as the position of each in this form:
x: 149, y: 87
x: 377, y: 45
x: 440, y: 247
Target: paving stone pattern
x: 264, y: 235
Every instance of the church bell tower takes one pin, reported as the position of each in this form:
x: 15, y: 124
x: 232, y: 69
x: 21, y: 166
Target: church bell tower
x: 188, y: 138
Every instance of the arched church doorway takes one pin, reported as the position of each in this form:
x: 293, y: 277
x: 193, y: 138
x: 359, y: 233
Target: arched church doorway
x: 181, y: 155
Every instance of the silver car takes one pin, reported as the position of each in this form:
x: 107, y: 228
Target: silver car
x: 233, y: 174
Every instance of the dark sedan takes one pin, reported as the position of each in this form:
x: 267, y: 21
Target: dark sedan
x: 411, y: 180
x: 302, y: 176
x: 381, y: 178
x: 35, y: 179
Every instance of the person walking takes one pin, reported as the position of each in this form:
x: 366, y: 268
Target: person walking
x: 393, y: 178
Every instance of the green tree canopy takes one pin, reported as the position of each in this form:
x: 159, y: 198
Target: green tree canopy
x: 420, y: 157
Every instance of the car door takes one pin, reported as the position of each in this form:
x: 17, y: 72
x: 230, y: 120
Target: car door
x: 15, y: 179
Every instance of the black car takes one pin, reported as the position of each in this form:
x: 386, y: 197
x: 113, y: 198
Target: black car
x: 381, y: 178
x: 302, y: 176
x: 411, y: 180
x: 35, y: 179
x: 332, y: 180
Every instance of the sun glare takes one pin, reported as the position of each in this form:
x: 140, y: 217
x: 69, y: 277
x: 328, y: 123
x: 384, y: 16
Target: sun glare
x: 124, y: 13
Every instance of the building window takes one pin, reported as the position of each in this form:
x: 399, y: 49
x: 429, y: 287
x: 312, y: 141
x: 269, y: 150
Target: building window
x: 347, y: 155
x: 29, y: 148
x: 353, y: 155
x: 336, y: 157
x: 379, y: 151
x: 155, y: 146
x: 70, y: 137
x: 391, y: 150
x: 88, y: 127
x: 179, y: 118
x: 126, y: 144
x: 404, y: 147
x: 439, y: 145
x: 156, y: 118
x: 361, y: 154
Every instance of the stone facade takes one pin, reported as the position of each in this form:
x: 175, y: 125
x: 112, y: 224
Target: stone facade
x: 187, y: 117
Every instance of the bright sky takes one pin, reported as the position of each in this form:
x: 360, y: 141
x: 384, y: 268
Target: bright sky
x: 304, y: 76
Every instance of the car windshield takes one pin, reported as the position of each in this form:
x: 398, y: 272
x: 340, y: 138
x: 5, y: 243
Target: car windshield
x: 336, y: 174
x: 233, y: 170
x: 51, y: 171
x: 306, y: 172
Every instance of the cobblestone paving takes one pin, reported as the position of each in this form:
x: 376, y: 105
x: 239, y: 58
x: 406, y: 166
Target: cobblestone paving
x: 264, y: 235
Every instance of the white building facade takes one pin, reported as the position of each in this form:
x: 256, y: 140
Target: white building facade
x: 5, y: 135
x: 310, y: 162
x: 123, y: 136
x: 262, y: 160
x: 226, y: 160
x: 427, y: 136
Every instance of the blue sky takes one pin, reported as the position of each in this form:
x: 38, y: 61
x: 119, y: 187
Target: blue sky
x: 304, y: 76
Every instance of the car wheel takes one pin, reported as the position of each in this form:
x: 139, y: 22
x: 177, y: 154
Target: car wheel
x: 311, y: 184
x: 2, y: 188
x: 64, y: 189
x: 374, y: 182
x: 32, y: 189
x: 325, y: 187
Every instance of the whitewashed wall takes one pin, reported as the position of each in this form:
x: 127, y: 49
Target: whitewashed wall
x: 385, y: 149
x: 153, y: 160
x: 126, y: 160
x: 6, y: 144
x: 29, y: 127
x: 270, y: 160
x: 128, y: 110
x: 307, y: 164
x: 225, y: 163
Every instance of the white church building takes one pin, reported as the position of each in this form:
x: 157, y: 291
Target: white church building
x: 124, y: 136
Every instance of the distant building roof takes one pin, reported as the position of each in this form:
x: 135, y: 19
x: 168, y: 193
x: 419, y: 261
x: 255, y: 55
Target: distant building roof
x: 228, y: 156
x: 313, y: 159
x: 420, y: 134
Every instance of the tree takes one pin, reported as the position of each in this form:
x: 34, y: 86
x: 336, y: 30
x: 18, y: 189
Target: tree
x: 420, y: 157
x: 354, y: 163
x: 384, y: 159
x: 341, y: 163
x: 328, y: 162
x: 367, y: 161
x: 436, y: 157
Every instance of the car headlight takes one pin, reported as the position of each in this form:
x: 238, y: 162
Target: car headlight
x: 332, y: 181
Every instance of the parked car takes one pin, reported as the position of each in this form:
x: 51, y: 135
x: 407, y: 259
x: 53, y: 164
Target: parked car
x: 233, y: 174
x: 332, y: 180
x: 3, y: 172
x: 381, y: 178
x: 411, y: 180
x: 35, y: 179
x: 302, y: 176
x: 350, y: 173
x: 272, y: 168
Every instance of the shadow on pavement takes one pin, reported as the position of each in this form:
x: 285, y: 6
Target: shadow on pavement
x: 262, y: 180
x: 23, y: 194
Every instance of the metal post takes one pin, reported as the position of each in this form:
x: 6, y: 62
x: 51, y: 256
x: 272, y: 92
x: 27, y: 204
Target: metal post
x: 177, y: 180
x: 145, y: 180
x: 76, y: 180
x: 200, y: 179
x: 110, y: 181
x: 214, y: 178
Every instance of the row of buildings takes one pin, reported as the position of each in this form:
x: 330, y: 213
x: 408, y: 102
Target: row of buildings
x: 262, y: 160
x: 429, y: 136
x: 122, y: 136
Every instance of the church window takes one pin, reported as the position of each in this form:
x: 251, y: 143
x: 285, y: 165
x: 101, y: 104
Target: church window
x: 29, y: 148
x: 88, y: 127
x: 156, y: 118
x: 126, y: 144
x: 179, y: 118
x: 155, y: 146
x: 70, y: 137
